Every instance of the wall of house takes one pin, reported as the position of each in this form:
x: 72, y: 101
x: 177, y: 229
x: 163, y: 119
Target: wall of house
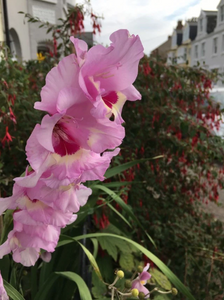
x: 19, y: 31
x: 210, y: 60
x: 48, y: 11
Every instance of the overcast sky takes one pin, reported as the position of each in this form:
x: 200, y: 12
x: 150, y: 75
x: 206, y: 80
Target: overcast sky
x: 152, y: 20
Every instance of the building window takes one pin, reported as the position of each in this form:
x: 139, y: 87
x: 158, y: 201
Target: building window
x: 185, y: 54
x: 223, y: 43
x: 201, y: 24
x: 203, y: 49
x: 196, y: 51
x: 215, y: 45
x: 222, y: 13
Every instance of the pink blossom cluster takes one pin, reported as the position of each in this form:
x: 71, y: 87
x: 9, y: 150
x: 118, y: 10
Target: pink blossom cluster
x: 84, y: 96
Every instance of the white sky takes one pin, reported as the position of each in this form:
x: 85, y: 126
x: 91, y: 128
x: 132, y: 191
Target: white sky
x: 152, y: 20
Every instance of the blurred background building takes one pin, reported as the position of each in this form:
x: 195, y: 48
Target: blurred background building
x: 199, y: 40
x: 26, y: 39
x: 163, y: 49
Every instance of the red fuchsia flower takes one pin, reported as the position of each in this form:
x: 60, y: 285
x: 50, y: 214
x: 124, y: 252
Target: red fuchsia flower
x: 107, y: 74
x: 141, y: 280
x: 3, y: 294
x: 12, y: 116
x: 7, y: 138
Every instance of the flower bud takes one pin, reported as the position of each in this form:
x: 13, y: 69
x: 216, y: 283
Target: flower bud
x: 120, y: 274
x: 174, y: 291
x: 141, y: 296
x: 134, y: 293
x: 140, y: 269
x: 128, y: 284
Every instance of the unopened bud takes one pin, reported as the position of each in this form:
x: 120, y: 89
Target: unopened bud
x: 141, y: 296
x: 120, y: 274
x: 140, y: 269
x: 174, y: 291
x: 128, y: 284
x: 135, y: 292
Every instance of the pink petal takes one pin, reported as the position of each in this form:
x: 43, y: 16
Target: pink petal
x: 3, y: 294
x: 81, y: 48
x: 26, y: 256
x: 62, y: 76
x: 116, y: 67
x: 132, y: 93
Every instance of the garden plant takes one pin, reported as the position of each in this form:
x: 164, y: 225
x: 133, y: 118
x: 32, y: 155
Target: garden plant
x: 170, y: 161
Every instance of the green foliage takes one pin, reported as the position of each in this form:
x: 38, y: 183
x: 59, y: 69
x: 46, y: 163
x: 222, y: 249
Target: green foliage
x: 150, y: 196
x: 160, y: 279
x: 172, y: 120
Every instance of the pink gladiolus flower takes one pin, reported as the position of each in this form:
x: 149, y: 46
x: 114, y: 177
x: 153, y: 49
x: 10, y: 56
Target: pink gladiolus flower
x: 69, y: 146
x: 141, y: 280
x: 3, y: 294
x: 107, y: 74
x: 24, y: 255
x: 42, y: 210
x: 28, y: 237
x: 69, y: 152
x: 56, y: 202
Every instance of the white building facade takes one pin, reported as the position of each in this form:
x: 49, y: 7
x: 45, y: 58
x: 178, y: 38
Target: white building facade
x: 25, y: 37
x: 208, y: 47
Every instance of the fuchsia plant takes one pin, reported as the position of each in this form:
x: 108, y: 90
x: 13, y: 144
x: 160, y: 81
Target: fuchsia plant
x: 84, y: 96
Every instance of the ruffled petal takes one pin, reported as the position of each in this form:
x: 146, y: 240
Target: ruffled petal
x: 62, y: 76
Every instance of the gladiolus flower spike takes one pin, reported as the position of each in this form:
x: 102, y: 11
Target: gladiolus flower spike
x: 70, y: 145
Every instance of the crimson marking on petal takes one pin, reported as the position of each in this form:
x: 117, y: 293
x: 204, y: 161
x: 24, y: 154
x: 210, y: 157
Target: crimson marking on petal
x: 110, y: 99
x: 63, y: 140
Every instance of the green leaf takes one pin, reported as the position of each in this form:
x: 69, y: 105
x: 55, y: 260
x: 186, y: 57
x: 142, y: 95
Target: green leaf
x: 82, y: 287
x: 126, y: 261
x: 95, y: 247
x: 119, y: 184
x: 46, y: 287
x: 161, y: 297
x: 92, y: 261
x: 116, y: 170
x: 125, y: 207
x: 119, y: 214
x: 108, y: 245
x: 12, y: 292
x: 161, y: 279
x: 170, y: 275
x: 99, y: 288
